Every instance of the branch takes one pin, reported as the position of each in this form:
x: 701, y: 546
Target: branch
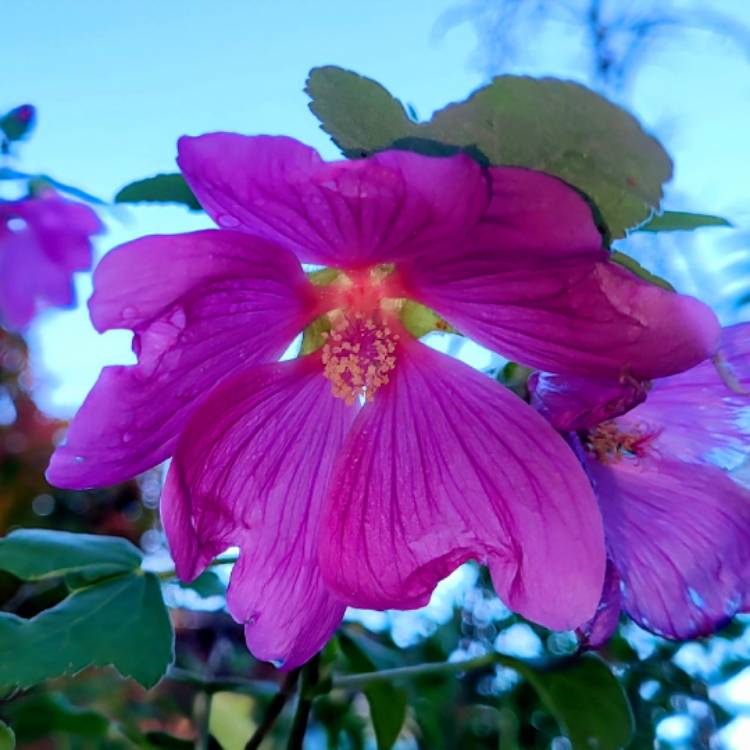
x: 275, y: 707
x: 310, y: 675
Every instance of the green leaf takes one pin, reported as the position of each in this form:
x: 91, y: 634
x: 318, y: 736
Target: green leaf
x: 587, y: 700
x: 558, y: 127
x: 635, y: 267
x: 38, y: 716
x: 119, y: 621
x: 206, y: 584
x: 162, y: 188
x: 358, y: 113
x: 420, y: 320
x: 682, y: 221
x: 230, y: 719
x: 7, y: 738
x: 34, y: 554
x: 387, y: 702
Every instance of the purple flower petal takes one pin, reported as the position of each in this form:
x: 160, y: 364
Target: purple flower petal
x: 601, y: 627
x: 574, y: 403
x: 679, y: 536
x: 43, y: 241
x: 532, y: 281
x: 201, y: 305
x: 343, y: 214
x: 696, y: 415
x: 445, y: 465
x: 250, y: 470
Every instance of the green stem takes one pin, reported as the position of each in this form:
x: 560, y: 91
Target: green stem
x: 168, y: 575
x: 360, y: 681
x: 203, y: 717
x: 257, y: 688
x: 310, y: 677
x: 275, y: 707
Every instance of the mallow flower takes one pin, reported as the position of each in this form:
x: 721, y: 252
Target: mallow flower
x: 44, y: 240
x: 664, y: 463
x: 368, y: 468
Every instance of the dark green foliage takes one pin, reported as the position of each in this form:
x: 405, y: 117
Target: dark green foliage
x: 162, y: 188
x: 553, y: 126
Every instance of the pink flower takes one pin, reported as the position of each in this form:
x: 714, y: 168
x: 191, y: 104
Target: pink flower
x: 332, y: 503
x: 677, y: 523
x: 43, y: 241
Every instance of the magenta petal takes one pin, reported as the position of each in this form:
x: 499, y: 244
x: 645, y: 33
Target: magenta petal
x: 43, y: 241
x: 444, y: 466
x: 601, y: 627
x: 532, y: 281
x: 679, y: 536
x: 250, y: 470
x: 201, y: 305
x: 696, y: 415
x: 343, y: 214
x: 574, y: 403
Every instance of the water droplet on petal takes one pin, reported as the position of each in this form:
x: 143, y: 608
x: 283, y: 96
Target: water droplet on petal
x: 278, y: 663
x: 129, y: 313
x: 16, y: 224
x: 79, y: 459
x: 127, y: 437
x: 696, y: 598
x: 228, y: 221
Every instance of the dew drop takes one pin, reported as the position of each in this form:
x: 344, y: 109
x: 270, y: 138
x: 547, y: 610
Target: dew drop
x: 696, y: 598
x: 79, y: 459
x: 127, y: 437
x: 129, y: 313
x: 228, y: 221
x: 733, y: 604
x: 16, y: 224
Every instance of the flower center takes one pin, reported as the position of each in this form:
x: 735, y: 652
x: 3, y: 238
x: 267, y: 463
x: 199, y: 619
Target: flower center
x: 610, y: 444
x: 358, y: 355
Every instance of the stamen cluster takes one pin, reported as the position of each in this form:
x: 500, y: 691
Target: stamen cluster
x: 358, y: 355
x: 610, y: 444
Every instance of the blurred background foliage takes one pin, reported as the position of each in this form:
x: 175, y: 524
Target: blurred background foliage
x: 693, y: 696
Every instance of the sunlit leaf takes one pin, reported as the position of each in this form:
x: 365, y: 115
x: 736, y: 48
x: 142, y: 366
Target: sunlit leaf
x: 635, y: 267
x: 681, y: 221
x: 7, y: 738
x: 33, y: 554
x: 120, y: 621
x: 230, y: 721
x: 420, y: 320
x: 558, y: 127
x: 162, y: 188
x: 358, y: 113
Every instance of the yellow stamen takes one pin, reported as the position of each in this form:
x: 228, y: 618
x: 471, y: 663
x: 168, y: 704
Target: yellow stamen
x: 610, y: 445
x: 358, y: 355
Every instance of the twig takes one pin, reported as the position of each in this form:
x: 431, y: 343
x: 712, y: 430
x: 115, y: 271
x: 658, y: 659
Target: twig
x: 310, y: 675
x: 275, y: 707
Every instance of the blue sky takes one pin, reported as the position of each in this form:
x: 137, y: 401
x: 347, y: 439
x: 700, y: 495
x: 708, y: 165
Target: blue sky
x: 117, y: 83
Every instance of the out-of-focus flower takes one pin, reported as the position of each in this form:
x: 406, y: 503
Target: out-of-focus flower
x: 677, y: 524
x: 333, y: 502
x: 43, y: 241
x: 18, y: 123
